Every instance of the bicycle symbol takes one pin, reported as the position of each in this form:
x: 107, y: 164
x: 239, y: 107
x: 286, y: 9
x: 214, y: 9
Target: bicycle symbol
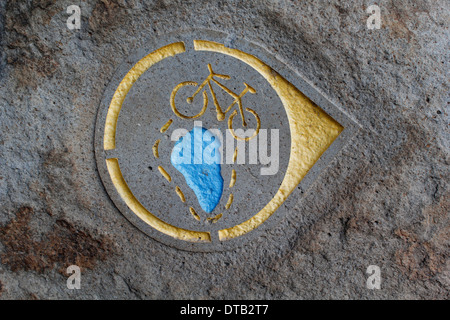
x: 220, y: 113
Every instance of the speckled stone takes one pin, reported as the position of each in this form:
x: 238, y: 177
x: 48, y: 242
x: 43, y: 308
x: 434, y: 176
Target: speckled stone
x: 383, y: 200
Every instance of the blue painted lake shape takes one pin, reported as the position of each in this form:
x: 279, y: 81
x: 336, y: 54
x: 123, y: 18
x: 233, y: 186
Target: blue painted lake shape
x: 196, y: 156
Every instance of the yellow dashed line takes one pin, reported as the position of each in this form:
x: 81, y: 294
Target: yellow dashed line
x: 155, y: 148
x: 230, y: 201
x: 235, y: 154
x: 233, y: 178
x: 215, y: 219
x: 192, y: 211
x: 164, y: 173
x: 166, y: 126
x: 180, y: 194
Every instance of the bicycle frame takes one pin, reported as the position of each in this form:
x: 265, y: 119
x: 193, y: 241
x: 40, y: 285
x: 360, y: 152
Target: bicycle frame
x: 237, y: 98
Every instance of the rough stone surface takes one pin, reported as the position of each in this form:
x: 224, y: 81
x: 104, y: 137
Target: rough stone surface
x: 384, y: 199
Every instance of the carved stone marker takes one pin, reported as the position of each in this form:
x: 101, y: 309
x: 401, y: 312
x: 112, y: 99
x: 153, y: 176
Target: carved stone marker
x: 171, y: 100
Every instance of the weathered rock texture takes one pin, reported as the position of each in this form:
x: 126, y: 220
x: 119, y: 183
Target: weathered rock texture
x: 384, y: 200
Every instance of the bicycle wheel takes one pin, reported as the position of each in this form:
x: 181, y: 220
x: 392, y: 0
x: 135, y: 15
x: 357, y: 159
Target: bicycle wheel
x: 258, y: 125
x: 172, y: 100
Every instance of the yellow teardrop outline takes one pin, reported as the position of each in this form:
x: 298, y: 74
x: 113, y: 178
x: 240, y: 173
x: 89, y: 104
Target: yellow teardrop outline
x: 312, y: 132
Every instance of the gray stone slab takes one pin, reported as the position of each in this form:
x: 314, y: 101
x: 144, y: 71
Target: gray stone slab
x: 378, y: 196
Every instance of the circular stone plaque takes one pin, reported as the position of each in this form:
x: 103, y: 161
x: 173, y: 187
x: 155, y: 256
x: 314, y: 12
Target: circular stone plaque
x: 199, y: 140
